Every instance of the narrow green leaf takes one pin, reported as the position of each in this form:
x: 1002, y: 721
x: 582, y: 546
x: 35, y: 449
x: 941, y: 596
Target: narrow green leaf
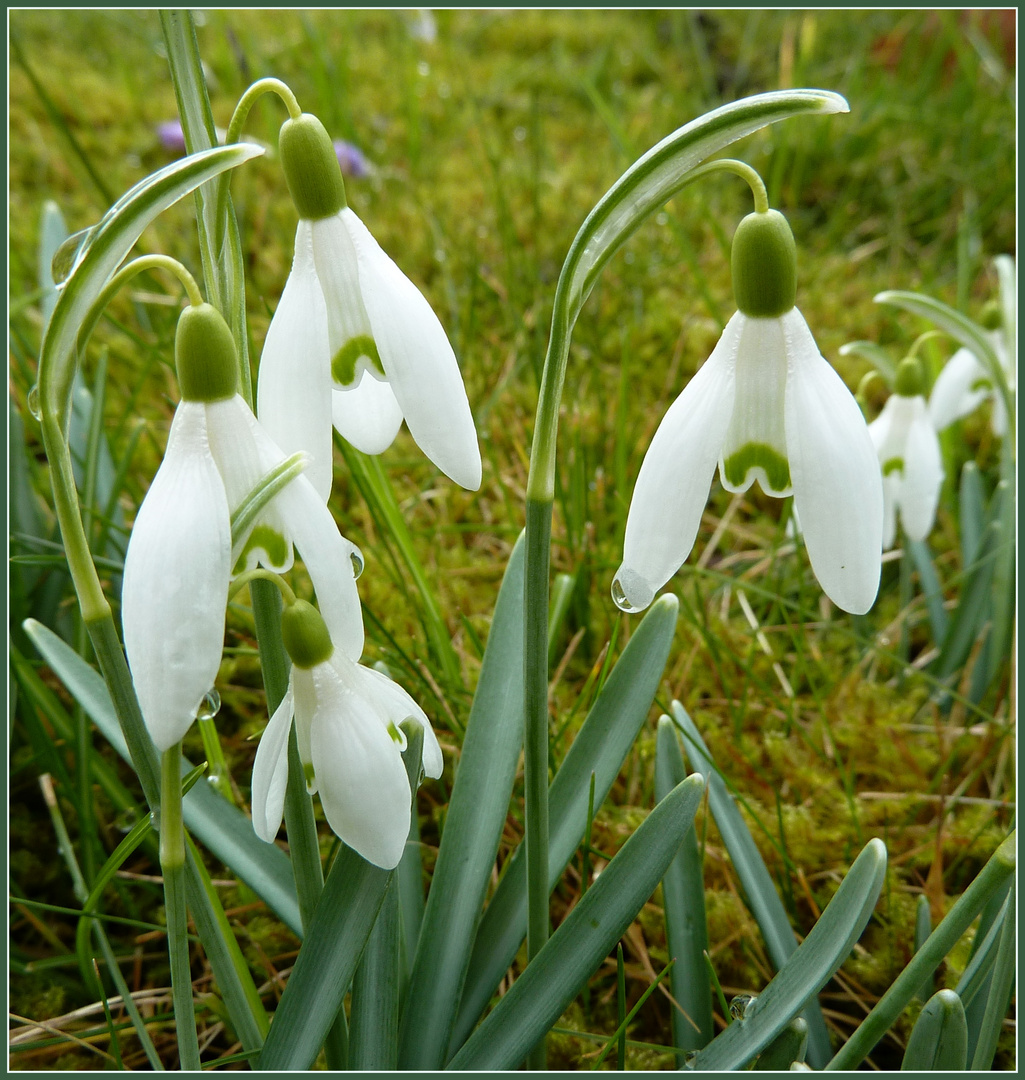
x: 683, y: 900
x: 976, y: 975
x: 551, y: 981
x: 827, y: 945
x: 474, y: 822
x: 410, y: 885
x: 374, y: 1014
x: 353, y: 894
x: 1001, y: 980
x: 931, y: 588
x: 790, y: 1045
x: 759, y: 888
x: 939, y: 1041
x: 971, y: 513
x: 558, y: 609
x: 601, y: 747
x: 223, y: 829
x: 923, y: 928
x: 876, y: 355
x: 52, y: 233
x: 997, y: 871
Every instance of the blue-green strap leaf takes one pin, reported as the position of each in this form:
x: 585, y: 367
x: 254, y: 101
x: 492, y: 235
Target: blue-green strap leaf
x: 939, y: 1040
x: 551, y: 981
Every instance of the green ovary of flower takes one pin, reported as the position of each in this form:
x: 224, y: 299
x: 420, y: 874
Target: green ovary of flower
x: 757, y: 455
x: 343, y: 366
x: 269, y: 540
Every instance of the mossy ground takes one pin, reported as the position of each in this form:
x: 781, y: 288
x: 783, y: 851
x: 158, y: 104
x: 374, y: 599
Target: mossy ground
x: 489, y: 146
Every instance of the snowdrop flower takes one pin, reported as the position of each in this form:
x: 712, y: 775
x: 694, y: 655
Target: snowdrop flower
x: 909, y: 454
x: 964, y: 383
x: 765, y: 406
x: 353, y: 341
x: 347, y: 721
x: 180, y: 557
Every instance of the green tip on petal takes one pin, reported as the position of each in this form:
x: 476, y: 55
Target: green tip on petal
x: 991, y: 316
x: 764, y: 263
x: 910, y: 378
x: 305, y: 635
x: 205, y: 356
x: 312, y: 172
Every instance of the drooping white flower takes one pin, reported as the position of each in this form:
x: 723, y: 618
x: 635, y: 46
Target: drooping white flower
x: 909, y: 455
x: 353, y: 340
x: 965, y: 383
x: 765, y: 406
x: 180, y: 557
x: 347, y: 719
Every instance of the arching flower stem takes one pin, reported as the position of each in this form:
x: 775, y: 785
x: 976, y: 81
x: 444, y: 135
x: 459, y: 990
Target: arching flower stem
x: 249, y: 98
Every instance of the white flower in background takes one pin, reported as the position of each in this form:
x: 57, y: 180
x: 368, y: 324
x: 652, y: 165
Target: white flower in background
x: 965, y: 383
x: 909, y: 455
x: 180, y: 558
x: 765, y: 406
x: 347, y: 721
x: 353, y: 340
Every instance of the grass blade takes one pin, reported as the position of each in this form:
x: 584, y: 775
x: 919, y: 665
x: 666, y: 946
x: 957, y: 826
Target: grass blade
x: 809, y: 968
x: 601, y: 747
x: 473, y: 828
x: 683, y: 899
x: 759, y: 888
x: 540, y: 995
x: 931, y: 588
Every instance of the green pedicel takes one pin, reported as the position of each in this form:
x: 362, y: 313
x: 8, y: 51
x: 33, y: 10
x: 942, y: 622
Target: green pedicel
x: 758, y: 455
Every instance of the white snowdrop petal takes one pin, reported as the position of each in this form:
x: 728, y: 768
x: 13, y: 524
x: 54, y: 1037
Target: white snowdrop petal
x: 398, y: 706
x: 360, y: 774
x: 952, y: 394
x: 891, y: 495
x: 245, y: 454
x: 293, y: 395
x: 368, y: 416
x: 270, y: 771
x: 672, y: 485
x: 175, y: 584
x: 923, y: 475
x: 337, y: 271
x: 418, y: 360
x: 838, y: 489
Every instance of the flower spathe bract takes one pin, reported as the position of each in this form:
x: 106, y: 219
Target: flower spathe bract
x: 347, y: 719
x: 912, y: 466
x: 765, y: 406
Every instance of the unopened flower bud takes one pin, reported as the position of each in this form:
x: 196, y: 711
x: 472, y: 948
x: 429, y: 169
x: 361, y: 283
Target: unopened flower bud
x: 311, y: 168
x: 764, y: 263
x: 305, y: 635
x: 205, y: 356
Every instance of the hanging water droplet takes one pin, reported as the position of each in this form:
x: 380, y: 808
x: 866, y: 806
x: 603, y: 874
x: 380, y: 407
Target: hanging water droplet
x: 689, y: 1059
x: 210, y: 707
x: 64, y: 257
x: 741, y: 1005
x: 33, y: 402
x: 357, y: 562
x: 619, y: 598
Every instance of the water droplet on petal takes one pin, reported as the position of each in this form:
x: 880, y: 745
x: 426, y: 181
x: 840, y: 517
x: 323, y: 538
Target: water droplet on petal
x: 33, y: 402
x: 357, y: 562
x: 210, y: 706
x: 741, y: 1004
x: 619, y: 598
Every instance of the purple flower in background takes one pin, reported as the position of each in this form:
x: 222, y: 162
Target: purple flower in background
x: 351, y: 160
x: 171, y: 136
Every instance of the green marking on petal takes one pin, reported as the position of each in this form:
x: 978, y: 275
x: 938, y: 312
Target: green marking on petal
x: 895, y: 464
x: 981, y: 384
x: 343, y: 366
x: 394, y: 732
x: 265, y: 538
x: 311, y: 776
x: 758, y: 456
